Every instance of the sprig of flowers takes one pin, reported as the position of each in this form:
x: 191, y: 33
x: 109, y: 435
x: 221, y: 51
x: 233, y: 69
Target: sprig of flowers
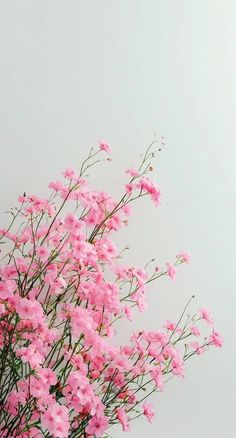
x: 63, y: 291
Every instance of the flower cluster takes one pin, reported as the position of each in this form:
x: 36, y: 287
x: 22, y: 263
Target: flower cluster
x: 62, y: 291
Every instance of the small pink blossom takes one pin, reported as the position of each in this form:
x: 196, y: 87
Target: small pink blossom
x: 132, y: 172
x: 69, y: 173
x: 177, y: 366
x: 157, y: 376
x: 97, y: 425
x: 55, y: 420
x: 150, y: 187
x: 216, y: 339
x: 169, y: 325
x: 48, y: 376
x: 128, y: 313
x: 42, y: 253
x: 205, y: 314
x: 22, y: 198
x: 148, y: 411
x: 171, y: 270
x: 123, y: 419
x: 57, y: 186
x: 197, y: 347
x: 129, y: 188
x: 30, y: 355
x: 7, y: 288
x: 185, y: 256
x: 195, y: 330
x: 29, y: 309
x: 104, y: 147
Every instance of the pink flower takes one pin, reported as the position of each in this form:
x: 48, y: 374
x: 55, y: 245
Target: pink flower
x: 171, y: 270
x: 177, y: 366
x: 22, y: 265
x: 123, y: 419
x: 128, y: 313
x: 56, y: 420
x: 129, y: 188
x: 216, y: 339
x: 13, y: 399
x: 7, y: 288
x: 205, y: 314
x: 22, y: 198
x: 195, y: 330
x: 58, y: 285
x: 69, y: 173
x: 148, y: 411
x: 43, y: 253
x: 73, y: 224
x: 97, y: 425
x: 186, y: 257
x: 197, y: 347
x: 149, y: 186
x: 57, y: 185
x: 132, y: 172
x: 28, y: 309
x: 30, y: 355
x: 156, y: 375
x: 104, y: 147
x: 170, y: 325
x: 141, y: 301
x: 47, y: 376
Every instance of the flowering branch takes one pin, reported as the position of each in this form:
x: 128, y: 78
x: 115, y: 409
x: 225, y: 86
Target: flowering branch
x: 61, y: 373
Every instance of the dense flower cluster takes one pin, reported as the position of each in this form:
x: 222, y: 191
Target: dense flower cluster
x: 62, y: 291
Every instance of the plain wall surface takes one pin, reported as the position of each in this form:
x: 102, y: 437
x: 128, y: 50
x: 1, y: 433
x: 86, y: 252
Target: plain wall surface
x: 74, y: 72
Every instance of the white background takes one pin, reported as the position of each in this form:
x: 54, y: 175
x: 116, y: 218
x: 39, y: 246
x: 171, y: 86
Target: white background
x: 74, y: 72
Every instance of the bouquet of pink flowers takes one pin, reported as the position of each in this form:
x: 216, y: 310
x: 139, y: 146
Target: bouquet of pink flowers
x: 62, y: 291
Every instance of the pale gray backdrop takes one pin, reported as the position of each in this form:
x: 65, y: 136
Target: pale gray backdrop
x: 73, y: 72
